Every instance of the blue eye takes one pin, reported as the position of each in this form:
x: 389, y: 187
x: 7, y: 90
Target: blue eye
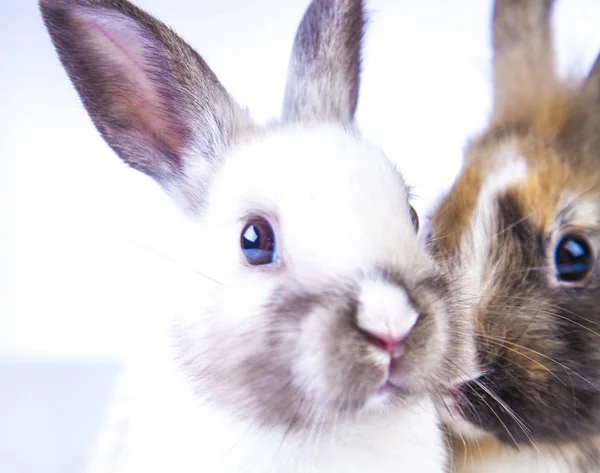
x: 258, y: 242
x: 573, y: 258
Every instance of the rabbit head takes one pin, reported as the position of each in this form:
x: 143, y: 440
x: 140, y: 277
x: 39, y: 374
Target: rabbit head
x: 322, y: 301
x: 520, y: 231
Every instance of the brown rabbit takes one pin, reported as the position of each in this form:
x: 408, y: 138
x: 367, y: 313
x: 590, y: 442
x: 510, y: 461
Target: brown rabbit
x: 520, y: 232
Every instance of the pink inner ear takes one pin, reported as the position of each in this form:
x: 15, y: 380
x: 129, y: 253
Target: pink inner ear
x: 124, y: 51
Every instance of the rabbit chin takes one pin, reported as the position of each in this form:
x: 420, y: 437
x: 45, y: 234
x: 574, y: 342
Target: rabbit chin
x: 157, y: 423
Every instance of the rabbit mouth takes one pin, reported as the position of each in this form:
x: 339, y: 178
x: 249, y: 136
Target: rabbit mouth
x: 392, y: 384
x: 386, y: 389
x: 454, y: 411
x: 387, y: 394
x: 396, y: 385
x: 382, y: 396
x: 392, y: 388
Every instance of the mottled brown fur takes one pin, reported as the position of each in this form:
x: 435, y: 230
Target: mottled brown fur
x: 573, y: 457
x: 539, y: 337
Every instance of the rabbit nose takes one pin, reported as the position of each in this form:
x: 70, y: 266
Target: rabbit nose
x: 385, y: 342
x: 385, y: 314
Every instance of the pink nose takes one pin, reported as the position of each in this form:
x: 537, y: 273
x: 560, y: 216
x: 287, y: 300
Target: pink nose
x: 384, y: 342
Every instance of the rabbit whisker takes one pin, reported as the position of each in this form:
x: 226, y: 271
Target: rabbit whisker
x: 522, y: 425
x: 552, y: 306
x: 553, y: 314
x: 501, y: 343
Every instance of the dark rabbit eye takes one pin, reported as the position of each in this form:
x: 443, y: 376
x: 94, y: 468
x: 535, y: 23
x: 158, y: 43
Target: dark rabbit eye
x: 414, y: 216
x: 573, y: 258
x: 258, y: 242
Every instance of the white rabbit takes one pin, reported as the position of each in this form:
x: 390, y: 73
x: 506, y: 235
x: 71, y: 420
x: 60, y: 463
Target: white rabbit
x: 325, y: 328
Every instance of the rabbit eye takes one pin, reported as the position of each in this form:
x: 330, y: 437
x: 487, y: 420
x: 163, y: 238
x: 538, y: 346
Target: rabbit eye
x: 414, y: 216
x: 258, y: 242
x: 573, y: 258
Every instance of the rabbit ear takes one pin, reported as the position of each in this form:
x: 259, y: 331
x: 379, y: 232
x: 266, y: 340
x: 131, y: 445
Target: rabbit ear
x: 153, y: 99
x: 324, y: 70
x: 523, y: 55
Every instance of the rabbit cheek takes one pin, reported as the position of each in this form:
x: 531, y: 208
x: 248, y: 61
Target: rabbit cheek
x: 531, y: 342
x: 336, y: 365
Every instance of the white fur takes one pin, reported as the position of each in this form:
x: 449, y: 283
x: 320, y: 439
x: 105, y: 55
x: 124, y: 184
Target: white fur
x: 512, y: 171
x: 388, y: 311
x: 582, y: 215
x: 339, y: 209
x: 508, y: 169
x: 329, y: 191
x: 157, y: 425
x: 216, y: 388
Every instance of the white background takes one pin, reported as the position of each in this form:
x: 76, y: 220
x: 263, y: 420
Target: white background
x: 80, y: 233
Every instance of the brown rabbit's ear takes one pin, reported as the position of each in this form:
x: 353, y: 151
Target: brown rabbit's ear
x: 324, y: 70
x: 153, y: 99
x: 524, y: 69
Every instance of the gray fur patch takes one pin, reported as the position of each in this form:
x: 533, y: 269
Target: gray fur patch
x: 324, y: 71
x: 254, y: 375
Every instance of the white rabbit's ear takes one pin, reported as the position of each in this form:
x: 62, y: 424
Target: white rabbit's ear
x: 324, y: 70
x: 153, y: 99
x: 524, y: 66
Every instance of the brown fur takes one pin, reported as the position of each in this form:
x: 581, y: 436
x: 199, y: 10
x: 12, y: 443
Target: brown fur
x: 523, y: 76
x: 477, y: 456
x: 539, y: 337
x: 543, y: 143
